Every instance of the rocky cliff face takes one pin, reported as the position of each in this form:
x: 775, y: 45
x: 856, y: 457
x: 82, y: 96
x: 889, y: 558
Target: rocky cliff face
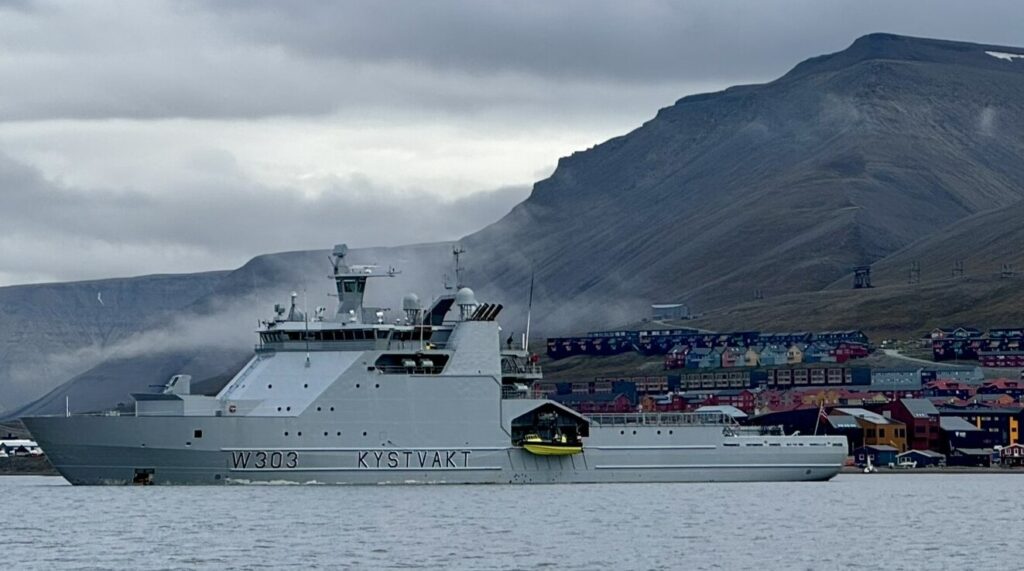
x: 780, y: 187
x: 51, y: 332
x: 895, y: 149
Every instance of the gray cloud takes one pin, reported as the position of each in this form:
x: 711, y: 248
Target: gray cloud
x: 646, y: 40
x: 63, y: 232
x: 389, y: 104
x: 259, y: 59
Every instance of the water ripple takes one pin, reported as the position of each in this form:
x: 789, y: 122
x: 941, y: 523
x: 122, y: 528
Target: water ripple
x: 853, y: 522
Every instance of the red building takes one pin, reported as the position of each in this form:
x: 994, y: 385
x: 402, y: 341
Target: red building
x: 742, y: 399
x: 847, y: 350
x: 922, y: 420
x: 1009, y: 387
x: 673, y: 402
x: 941, y: 388
x: 1001, y: 358
x: 1012, y: 455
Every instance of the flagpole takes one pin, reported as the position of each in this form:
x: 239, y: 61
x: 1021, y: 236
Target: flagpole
x: 529, y: 310
x: 817, y: 419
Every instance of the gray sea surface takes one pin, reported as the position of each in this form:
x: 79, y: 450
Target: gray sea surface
x: 906, y: 521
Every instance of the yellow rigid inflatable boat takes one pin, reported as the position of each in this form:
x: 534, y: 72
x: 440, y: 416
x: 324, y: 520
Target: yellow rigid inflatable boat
x: 560, y: 447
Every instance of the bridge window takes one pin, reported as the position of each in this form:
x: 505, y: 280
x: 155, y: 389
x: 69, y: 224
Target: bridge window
x: 197, y: 434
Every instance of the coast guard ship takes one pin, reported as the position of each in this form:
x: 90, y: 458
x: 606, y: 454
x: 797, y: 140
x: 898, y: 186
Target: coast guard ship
x: 431, y: 398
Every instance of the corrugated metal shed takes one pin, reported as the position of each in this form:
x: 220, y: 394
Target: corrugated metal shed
x: 920, y: 408
x: 928, y: 453
x: 956, y: 424
x: 843, y: 422
x: 872, y: 417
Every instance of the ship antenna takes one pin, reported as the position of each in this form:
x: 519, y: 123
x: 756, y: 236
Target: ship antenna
x: 305, y: 318
x: 457, y: 251
x: 529, y: 311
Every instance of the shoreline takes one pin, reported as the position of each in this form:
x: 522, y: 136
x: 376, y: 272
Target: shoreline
x: 935, y: 470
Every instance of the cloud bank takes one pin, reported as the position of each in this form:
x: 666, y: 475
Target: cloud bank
x: 182, y: 136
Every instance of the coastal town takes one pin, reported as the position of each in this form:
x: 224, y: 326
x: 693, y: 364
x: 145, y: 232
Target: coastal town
x: 952, y: 397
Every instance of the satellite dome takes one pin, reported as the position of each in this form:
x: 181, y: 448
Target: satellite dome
x: 411, y: 301
x: 465, y: 296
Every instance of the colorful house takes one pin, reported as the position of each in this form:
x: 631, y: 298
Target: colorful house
x: 878, y: 454
x: 943, y: 388
x: 772, y: 355
x: 676, y: 357
x: 818, y: 353
x: 703, y: 358
x: 753, y: 356
x: 877, y: 429
x: 1012, y: 455
x: 1003, y: 386
x: 733, y: 357
x: 922, y: 420
x: 794, y: 355
x: 923, y: 458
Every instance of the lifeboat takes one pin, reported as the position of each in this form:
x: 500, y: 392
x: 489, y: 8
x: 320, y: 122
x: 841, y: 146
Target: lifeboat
x: 558, y: 447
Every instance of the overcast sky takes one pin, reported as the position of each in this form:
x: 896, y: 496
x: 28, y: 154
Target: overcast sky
x: 140, y: 137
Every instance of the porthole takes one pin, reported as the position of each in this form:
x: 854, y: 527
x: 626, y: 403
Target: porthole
x: 318, y: 409
x: 298, y: 434
x: 377, y: 386
x: 339, y: 433
x: 270, y: 386
x: 332, y: 409
x: 305, y: 386
x: 634, y: 432
x: 670, y: 432
x: 286, y: 434
x: 278, y: 409
x: 364, y: 433
x: 659, y: 432
x: 325, y: 433
x: 357, y: 385
x: 622, y: 432
x: 287, y: 408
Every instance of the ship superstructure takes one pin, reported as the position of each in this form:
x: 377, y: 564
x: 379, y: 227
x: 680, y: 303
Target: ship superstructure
x: 432, y: 397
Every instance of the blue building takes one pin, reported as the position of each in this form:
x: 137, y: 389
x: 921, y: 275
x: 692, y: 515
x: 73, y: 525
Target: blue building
x: 880, y: 455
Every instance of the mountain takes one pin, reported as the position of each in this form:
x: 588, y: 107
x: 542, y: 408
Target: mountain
x: 50, y: 332
x: 780, y: 187
x: 894, y: 151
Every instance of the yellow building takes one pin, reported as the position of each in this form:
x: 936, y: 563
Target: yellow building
x: 877, y: 429
x: 794, y: 355
x: 753, y: 358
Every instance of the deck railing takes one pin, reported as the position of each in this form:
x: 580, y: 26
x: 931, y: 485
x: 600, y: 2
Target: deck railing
x: 662, y: 419
x: 517, y: 392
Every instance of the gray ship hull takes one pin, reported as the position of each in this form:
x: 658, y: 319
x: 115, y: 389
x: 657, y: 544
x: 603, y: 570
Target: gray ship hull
x: 246, y: 452
x: 432, y: 400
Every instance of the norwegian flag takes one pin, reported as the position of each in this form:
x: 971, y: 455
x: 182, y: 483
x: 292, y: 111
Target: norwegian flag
x: 822, y: 415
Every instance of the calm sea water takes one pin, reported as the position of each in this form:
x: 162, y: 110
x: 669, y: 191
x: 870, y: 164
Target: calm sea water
x: 853, y: 522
